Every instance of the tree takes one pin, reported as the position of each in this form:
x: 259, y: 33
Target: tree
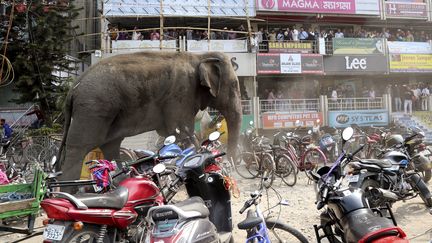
x: 39, y: 42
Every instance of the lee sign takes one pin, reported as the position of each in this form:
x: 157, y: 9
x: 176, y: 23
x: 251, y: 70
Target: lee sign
x: 359, y: 117
x: 360, y: 64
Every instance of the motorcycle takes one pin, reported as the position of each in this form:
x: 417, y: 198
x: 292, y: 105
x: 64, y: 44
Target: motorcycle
x: 420, y: 154
x: 347, y: 216
x: 388, y: 179
x: 117, y: 215
x: 206, y: 215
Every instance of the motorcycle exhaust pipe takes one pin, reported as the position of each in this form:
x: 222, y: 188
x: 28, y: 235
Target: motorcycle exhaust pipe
x: 384, y: 193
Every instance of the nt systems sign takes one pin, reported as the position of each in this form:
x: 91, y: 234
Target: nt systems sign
x: 361, y: 64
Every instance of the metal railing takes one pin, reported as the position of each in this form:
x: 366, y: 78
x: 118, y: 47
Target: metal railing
x: 289, y: 105
x: 356, y: 104
x: 246, y: 107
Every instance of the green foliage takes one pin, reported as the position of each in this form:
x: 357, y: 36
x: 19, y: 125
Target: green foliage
x: 45, y: 131
x: 39, y: 42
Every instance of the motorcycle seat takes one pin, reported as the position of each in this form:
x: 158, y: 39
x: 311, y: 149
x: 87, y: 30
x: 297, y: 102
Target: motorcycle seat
x: 383, y: 163
x: 115, y: 199
x: 195, y: 204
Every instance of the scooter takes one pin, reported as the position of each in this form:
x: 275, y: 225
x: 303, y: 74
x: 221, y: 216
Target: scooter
x: 347, y: 216
x: 206, y: 215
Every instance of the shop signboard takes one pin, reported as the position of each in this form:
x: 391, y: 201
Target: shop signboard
x: 359, y: 117
x: 275, y: 63
x: 217, y: 45
x: 415, y: 63
x: 244, y: 64
x: 355, y: 64
x: 188, y: 8
x: 358, y: 45
x: 122, y: 46
x: 402, y: 47
x: 290, y: 47
x: 278, y: 120
x: 406, y: 10
x: 367, y: 7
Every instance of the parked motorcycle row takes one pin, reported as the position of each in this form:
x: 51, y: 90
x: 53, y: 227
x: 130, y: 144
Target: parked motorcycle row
x: 135, y: 203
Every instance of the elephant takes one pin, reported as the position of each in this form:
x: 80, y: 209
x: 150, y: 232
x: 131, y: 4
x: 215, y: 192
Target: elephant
x: 129, y: 94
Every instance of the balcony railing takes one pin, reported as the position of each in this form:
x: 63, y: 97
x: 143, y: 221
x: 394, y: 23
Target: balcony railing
x: 355, y: 104
x: 289, y: 105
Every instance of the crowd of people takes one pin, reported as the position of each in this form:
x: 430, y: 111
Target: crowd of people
x: 407, y: 98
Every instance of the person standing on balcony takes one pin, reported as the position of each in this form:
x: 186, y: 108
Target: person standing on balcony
x: 425, y: 93
x: 408, y: 97
x: 272, y: 36
x: 280, y: 36
x: 233, y: 35
x: 259, y: 35
x: 288, y: 35
x: 303, y: 35
x: 409, y: 36
x: 154, y: 35
x: 339, y: 34
x: 295, y: 34
x: 189, y: 34
x: 136, y: 35
x: 396, y: 93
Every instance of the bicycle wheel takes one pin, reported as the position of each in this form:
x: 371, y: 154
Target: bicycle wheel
x: 32, y: 151
x: 247, y: 165
x: 45, y: 156
x: 313, y: 159
x: 267, y: 170
x: 281, y: 232
x: 285, y: 169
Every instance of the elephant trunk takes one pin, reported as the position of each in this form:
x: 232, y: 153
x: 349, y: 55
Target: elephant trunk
x: 233, y: 119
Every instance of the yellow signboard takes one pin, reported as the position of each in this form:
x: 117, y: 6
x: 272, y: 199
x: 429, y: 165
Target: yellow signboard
x: 410, y: 63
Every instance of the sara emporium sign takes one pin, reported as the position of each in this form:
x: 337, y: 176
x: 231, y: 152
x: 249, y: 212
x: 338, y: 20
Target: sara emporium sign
x: 361, y: 64
x: 275, y: 63
x: 367, y: 7
x: 359, y: 117
x: 179, y: 8
x: 277, y: 120
x: 290, y: 47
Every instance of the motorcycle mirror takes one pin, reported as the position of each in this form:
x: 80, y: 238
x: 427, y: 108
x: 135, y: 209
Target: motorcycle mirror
x: 251, y: 123
x: 214, y: 136
x: 347, y: 133
x: 169, y: 140
x: 297, y: 123
x: 159, y: 168
x: 53, y: 160
x: 218, y: 125
x: 310, y: 132
x: 177, y: 131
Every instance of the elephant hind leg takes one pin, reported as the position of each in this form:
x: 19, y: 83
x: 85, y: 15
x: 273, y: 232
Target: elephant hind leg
x: 111, y: 150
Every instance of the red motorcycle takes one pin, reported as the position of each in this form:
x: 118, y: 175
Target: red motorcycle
x: 116, y: 215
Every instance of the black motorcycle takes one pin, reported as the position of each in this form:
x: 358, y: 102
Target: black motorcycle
x: 389, y: 179
x: 347, y: 216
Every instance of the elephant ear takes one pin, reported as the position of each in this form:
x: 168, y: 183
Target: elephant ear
x: 210, y: 74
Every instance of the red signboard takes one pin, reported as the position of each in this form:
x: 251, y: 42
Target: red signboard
x: 406, y: 10
x: 276, y: 120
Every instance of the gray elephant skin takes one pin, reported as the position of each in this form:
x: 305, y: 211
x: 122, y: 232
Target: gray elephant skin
x: 129, y: 94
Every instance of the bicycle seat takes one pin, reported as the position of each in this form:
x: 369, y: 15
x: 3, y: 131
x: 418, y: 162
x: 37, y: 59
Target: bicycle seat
x: 250, y: 222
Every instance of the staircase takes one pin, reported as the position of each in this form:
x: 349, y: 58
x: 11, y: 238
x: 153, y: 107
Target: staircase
x: 18, y: 121
x: 405, y: 120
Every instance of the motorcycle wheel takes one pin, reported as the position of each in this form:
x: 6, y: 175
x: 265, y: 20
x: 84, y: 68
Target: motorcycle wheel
x: 373, y: 202
x: 419, y: 186
x: 426, y: 175
x: 89, y: 234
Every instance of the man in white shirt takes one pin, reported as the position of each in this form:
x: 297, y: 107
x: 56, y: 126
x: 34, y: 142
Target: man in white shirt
x: 339, y: 34
x: 295, y: 34
x: 425, y: 93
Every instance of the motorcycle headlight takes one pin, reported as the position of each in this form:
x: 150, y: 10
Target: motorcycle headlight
x: 249, y: 132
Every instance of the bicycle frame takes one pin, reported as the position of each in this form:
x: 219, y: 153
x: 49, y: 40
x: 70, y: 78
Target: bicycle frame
x: 262, y: 234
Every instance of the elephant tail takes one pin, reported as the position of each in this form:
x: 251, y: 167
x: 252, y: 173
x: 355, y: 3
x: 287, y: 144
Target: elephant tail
x: 68, y: 119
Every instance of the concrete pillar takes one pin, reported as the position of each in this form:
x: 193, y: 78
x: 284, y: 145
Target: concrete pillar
x: 256, y: 112
x: 324, y: 108
x: 429, y: 108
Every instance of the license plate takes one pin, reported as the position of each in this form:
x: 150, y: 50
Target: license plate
x: 353, y: 178
x: 53, y: 232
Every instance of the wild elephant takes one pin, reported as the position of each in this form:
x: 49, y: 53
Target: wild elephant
x: 129, y: 94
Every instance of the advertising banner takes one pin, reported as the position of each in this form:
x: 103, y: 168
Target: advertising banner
x: 290, y: 63
x: 236, y: 8
x: 275, y: 63
x: 122, y: 46
x: 290, y: 47
x: 406, y: 10
x: 355, y: 64
x: 415, y: 63
x: 359, y: 117
x: 358, y: 45
x: 244, y: 64
x: 402, y: 47
x: 217, y: 45
x: 369, y: 7
x: 277, y: 120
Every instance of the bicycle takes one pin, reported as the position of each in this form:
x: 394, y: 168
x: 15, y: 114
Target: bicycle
x: 258, y: 227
